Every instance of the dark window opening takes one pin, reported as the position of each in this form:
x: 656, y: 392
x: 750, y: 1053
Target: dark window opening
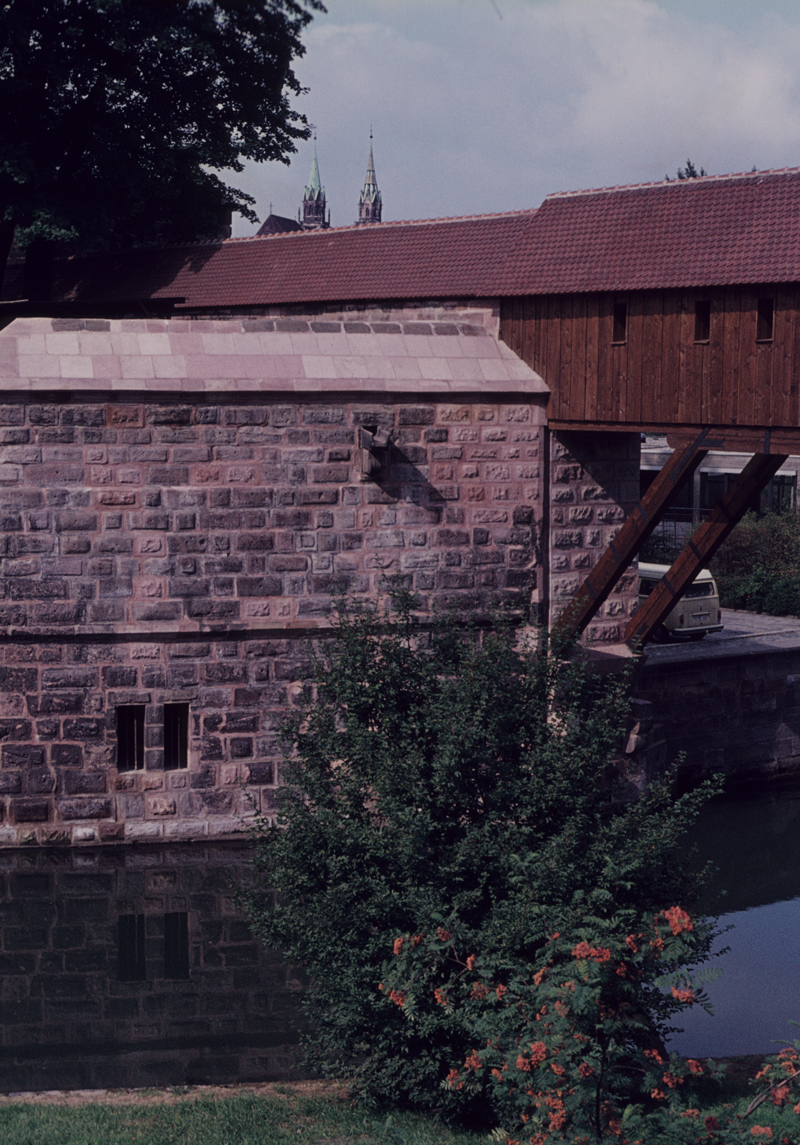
x: 130, y: 737
x: 766, y: 316
x: 620, y: 328
x: 176, y: 945
x: 130, y: 936
x: 176, y: 736
x: 702, y: 320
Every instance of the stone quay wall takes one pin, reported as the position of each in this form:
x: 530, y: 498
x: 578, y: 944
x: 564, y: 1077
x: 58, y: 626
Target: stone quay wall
x: 738, y: 714
x: 182, y: 550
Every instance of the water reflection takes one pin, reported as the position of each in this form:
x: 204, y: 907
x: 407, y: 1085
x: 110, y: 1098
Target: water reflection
x: 752, y: 838
x: 134, y: 967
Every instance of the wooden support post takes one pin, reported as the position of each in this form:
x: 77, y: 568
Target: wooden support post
x: 634, y: 532
x: 699, y: 550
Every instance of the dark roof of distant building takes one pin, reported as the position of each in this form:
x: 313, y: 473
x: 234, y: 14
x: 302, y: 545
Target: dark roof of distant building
x: 278, y: 225
x: 714, y: 230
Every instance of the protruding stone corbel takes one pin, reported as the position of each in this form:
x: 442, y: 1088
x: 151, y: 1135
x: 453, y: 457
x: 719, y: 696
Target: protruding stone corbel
x: 374, y: 443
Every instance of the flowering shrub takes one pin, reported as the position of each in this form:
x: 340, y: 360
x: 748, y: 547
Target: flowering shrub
x: 448, y: 783
x: 564, y: 1050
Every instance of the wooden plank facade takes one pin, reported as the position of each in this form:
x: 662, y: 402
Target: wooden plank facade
x: 664, y: 373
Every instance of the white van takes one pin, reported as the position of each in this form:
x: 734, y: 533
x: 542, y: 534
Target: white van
x: 695, y: 614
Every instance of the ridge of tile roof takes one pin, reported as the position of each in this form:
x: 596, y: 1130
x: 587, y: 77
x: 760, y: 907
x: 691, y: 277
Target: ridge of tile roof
x: 670, y: 182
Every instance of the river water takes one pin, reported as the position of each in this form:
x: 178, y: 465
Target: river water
x: 753, y: 838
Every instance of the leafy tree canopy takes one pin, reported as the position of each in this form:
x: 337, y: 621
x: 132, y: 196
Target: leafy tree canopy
x: 115, y: 114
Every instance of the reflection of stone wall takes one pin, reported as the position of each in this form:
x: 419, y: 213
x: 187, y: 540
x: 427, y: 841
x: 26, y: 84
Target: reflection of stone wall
x: 66, y: 1021
x: 594, y: 485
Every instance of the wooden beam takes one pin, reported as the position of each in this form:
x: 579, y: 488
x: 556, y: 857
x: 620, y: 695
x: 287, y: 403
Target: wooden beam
x: 699, y: 550
x: 626, y: 544
x: 742, y: 439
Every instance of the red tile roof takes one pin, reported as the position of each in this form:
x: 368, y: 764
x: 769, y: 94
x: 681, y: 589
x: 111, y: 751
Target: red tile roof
x: 717, y: 230
x: 439, y: 258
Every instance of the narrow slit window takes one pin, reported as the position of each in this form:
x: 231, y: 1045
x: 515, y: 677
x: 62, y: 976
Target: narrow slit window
x: 176, y: 736
x: 176, y: 944
x: 620, y: 327
x: 766, y: 319
x: 131, y: 959
x: 702, y: 320
x: 130, y: 737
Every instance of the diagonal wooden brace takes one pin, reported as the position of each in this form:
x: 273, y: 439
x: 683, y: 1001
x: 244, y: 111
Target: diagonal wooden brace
x: 637, y: 528
x: 699, y: 550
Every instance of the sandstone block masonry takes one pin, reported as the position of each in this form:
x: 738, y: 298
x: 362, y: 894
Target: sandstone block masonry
x: 594, y: 484
x: 166, y: 556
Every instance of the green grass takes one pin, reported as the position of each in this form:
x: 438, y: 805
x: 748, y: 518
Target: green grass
x: 242, y: 1120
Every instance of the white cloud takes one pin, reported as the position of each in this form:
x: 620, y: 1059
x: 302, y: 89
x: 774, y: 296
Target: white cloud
x: 478, y: 111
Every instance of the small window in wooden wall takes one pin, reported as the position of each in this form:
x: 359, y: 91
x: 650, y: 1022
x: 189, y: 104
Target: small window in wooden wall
x: 176, y: 944
x: 176, y: 736
x: 619, y: 331
x: 130, y: 737
x: 766, y: 319
x: 702, y: 320
x: 131, y: 965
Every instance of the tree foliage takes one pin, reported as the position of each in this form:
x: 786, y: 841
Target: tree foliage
x: 443, y: 782
x: 115, y: 114
x: 758, y: 566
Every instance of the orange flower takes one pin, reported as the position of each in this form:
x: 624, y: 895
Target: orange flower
x: 596, y: 953
x: 762, y: 1131
x: 779, y: 1095
x: 501, y: 991
x: 711, y: 1124
x: 473, y: 1062
x: 658, y: 1094
x: 523, y: 1063
x: 398, y: 945
x: 683, y: 995
x: 631, y: 944
x: 471, y: 962
x: 557, y: 1069
x: 453, y: 1079
x: 538, y: 1052
x: 398, y: 997
x: 671, y: 1080
x: 440, y: 997
x: 539, y: 976
x: 678, y: 920
x: 478, y: 991
x: 585, y: 1070
x: 443, y: 934
x: 694, y: 1066
x: 691, y: 1113
x: 417, y: 939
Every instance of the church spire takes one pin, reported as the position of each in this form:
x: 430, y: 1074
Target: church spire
x: 369, y: 203
x: 313, y: 217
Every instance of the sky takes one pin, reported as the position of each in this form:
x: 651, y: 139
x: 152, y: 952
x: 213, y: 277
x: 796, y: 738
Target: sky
x: 489, y: 105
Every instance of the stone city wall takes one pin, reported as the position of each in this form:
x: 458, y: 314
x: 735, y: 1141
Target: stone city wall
x: 180, y: 551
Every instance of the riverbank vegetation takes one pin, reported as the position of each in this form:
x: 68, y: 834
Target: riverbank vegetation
x: 758, y: 566
x: 494, y: 913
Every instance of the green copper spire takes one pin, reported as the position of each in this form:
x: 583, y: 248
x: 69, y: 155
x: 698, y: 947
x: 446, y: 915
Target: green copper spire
x: 313, y: 215
x: 369, y: 202
x: 314, y: 188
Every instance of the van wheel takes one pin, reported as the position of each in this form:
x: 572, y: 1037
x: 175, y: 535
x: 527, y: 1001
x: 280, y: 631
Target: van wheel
x: 661, y: 635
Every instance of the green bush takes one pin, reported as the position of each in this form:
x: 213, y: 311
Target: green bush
x: 758, y: 566
x: 442, y: 779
